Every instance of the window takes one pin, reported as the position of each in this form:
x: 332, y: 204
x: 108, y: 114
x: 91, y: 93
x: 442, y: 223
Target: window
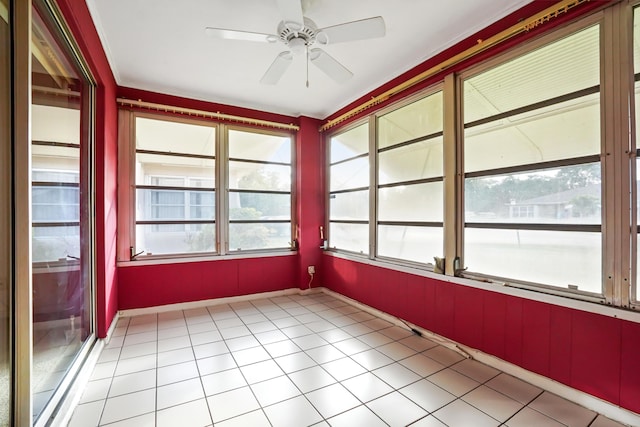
x: 259, y: 191
x: 349, y: 190
x: 178, y: 208
x: 410, y: 181
x: 175, y: 164
x: 532, y: 187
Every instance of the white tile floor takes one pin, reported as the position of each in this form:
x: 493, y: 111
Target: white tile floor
x: 298, y: 361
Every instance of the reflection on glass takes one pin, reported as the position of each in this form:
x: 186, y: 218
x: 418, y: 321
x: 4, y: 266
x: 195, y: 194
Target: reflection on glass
x: 419, y: 119
x: 259, y: 206
x: 419, y: 202
x: 565, y: 66
x: 254, y: 176
x: 349, y: 237
x: 61, y: 210
x: 265, y: 235
x: 557, y: 258
x: 350, y: 174
x: 159, y: 239
x: 570, y: 129
x: 416, y: 161
x: 351, y: 143
x: 176, y: 137
x: 418, y: 244
x: 567, y: 195
x: 259, y: 146
x: 5, y: 226
x: 350, y: 206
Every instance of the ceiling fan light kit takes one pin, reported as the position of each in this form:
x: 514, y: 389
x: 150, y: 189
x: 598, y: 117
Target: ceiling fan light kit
x: 298, y: 33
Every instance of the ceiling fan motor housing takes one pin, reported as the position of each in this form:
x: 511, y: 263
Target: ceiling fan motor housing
x: 297, y: 36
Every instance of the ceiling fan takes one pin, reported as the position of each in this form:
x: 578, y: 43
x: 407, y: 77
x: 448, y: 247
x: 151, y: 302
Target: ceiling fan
x: 299, y: 33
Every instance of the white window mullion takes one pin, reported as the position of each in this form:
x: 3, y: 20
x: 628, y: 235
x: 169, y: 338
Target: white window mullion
x: 373, y: 187
x: 617, y: 111
x: 222, y: 190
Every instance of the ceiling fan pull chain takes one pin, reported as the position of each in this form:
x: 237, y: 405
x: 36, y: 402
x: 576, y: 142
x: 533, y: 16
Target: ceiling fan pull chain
x: 307, y: 65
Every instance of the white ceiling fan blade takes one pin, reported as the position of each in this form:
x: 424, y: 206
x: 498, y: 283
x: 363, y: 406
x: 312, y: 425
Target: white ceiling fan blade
x: 369, y: 28
x: 222, y: 33
x: 291, y: 11
x: 329, y: 65
x: 277, y: 68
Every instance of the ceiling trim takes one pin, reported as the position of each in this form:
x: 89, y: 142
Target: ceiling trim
x: 523, y: 26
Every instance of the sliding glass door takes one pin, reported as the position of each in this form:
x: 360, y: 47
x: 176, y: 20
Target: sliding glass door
x: 61, y: 209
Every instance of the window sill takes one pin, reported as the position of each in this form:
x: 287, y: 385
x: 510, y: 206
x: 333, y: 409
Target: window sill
x: 533, y: 295
x: 205, y: 258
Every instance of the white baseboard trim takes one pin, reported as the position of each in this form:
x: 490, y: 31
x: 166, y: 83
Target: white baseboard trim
x: 581, y: 398
x: 206, y: 303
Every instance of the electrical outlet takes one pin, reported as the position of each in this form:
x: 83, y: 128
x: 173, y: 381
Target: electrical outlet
x: 311, y: 269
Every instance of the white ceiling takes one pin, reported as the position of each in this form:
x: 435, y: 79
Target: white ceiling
x: 161, y: 46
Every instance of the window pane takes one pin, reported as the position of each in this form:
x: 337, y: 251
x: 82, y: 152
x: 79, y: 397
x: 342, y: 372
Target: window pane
x: 349, y: 237
x: 253, y: 206
x: 558, y: 258
x: 174, y: 137
x: 560, y: 131
x: 259, y: 146
x: 55, y: 243
x: 568, y: 195
x: 351, y: 174
x: 421, y: 118
x: 564, y: 66
x: 416, y: 161
x: 175, y: 171
x: 175, y: 238
x: 172, y: 205
x: 259, y: 236
x: 422, y: 202
x: 350, y: 143
x: 254, y: 176
x: 419, y: 244
x: 55, y: 204
x: 349, y: 206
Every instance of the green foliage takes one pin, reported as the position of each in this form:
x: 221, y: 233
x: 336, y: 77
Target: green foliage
x: 492, y: 196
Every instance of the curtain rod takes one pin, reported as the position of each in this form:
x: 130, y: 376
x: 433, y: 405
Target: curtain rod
x: 206, y: 114
x: 523, y: 26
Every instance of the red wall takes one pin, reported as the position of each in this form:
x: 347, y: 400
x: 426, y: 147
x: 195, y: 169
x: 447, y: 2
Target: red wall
x: 81, y: 25
x: 161, y: 284
x: 309, y: 200
x: 590, y: 352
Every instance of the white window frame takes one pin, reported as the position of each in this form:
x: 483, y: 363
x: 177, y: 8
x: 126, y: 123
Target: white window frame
x: 127, y: 250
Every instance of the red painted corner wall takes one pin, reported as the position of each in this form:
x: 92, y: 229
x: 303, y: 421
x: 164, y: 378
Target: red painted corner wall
x: 590, y: 352
x: 81, y: 25
x: 309, y: 195
x: 162, y: 284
